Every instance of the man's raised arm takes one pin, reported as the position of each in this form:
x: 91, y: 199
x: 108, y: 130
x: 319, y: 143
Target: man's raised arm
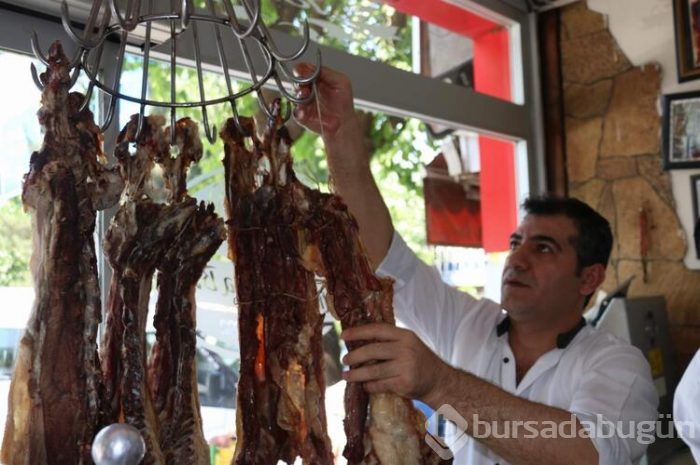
x: 348, y: 159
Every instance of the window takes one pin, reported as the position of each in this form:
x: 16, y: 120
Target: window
x: 399, y: 105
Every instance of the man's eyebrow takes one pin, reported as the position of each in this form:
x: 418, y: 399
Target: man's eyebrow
x: 516, y: 236
x: 548, y: 239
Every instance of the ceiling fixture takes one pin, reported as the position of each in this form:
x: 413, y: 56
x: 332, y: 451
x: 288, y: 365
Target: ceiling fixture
x: 184, y: 25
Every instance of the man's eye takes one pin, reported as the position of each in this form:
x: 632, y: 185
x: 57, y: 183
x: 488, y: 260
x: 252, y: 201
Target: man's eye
x: 514, y: 245
x: 546, y: 248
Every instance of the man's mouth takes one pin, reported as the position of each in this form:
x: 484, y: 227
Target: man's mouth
x: 514, y: 283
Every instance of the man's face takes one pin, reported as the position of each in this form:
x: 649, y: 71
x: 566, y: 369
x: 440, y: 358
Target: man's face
x: 540, y: 277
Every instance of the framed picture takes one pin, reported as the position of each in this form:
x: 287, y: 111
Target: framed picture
x: 681, y: 130
x: 686, y: 15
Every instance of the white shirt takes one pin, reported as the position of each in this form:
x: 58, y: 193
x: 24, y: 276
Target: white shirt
x: 686, y: 406
x: 593, y: 374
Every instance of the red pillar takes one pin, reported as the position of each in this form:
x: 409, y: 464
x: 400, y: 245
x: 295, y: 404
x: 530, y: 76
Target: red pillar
x: 492, y: 76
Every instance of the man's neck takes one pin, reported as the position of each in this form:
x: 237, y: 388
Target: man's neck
x: 529, y: 340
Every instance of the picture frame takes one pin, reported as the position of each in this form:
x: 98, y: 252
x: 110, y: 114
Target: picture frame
x: 686, y: 20
x: 681, y: 130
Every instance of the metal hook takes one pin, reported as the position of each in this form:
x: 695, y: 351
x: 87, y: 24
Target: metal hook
x: 225, y: 68
x: 209, y: 131
x: 35, y: 77
x: 173, y: 121
x: 85, y: 65
x: 236, y: 26
x: 37, y: 82
x: 271, y: 43
x: 144, y: 73
x: 173, y: 75
x: 117, y: 81
x: 130, y: 23
x: 185, y: 13
x: 89, y: 40
x: 77, y: 58
x: 262, y: 103
x: 237, y: 121
x: 37, y: 49
x: 302, y: 80
x: 290, y: 97
x: 74, y: 76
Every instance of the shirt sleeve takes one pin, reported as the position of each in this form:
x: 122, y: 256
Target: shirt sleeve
x: 686, y: 406
x: 617, y: 404
x: 423, y: 301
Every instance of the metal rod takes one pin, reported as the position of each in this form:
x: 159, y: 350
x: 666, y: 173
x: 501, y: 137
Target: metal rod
x: 210, y: 132
x: 225, y: 68
x: 90, y: 38
x: 153, y: 103
x: 173, y: 67
x: 91, y: 86
x: 235, y: 25
x: 36, y: 48
x: 185, y: 13
x: 35, y: 77
x: 272, y: 47
x: 144, y: 74
x: 117, y: 80
x: 132, y: 20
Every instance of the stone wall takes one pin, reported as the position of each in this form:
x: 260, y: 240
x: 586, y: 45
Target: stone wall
x: 613, y: 150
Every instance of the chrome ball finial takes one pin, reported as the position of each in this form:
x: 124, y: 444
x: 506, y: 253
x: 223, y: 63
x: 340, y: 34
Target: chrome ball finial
x: 118, y: 444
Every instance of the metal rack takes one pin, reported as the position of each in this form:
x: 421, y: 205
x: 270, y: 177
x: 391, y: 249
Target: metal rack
x: 181, y: 24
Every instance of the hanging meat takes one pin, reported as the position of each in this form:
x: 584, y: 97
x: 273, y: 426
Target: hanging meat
x: 157, y: 227
x: 55, y: 403
x: 281, y: 413
x: 380, y: 428
x: 281, y: 234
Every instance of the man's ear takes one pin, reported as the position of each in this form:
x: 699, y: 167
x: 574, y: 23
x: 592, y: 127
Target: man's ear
x: 592, y: 277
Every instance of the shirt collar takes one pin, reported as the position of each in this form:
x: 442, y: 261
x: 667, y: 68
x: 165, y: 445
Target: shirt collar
x: 563, y: 339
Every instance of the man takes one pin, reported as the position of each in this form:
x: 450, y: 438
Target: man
x: 686, y: 406
x: 539, y: 363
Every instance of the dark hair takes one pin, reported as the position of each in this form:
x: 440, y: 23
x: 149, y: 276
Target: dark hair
x: 593, y: 241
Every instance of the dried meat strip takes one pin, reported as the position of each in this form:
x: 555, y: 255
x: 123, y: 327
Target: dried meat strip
x: 172, y: 370
x: 158, y: 229
x: 55, y: 404
x: 281, y: 412
x: 277, y: 224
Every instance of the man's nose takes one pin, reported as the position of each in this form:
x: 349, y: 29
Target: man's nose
x: 518, y: 258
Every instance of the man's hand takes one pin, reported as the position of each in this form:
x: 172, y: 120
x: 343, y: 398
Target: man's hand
x: 395, y: 360
x: 348, y: 159
x: 333, y: 96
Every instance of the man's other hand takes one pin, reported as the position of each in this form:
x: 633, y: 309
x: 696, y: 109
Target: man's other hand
x: 394, y: 360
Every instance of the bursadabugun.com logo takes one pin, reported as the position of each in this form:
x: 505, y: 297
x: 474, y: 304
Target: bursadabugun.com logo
x: 456, y: 437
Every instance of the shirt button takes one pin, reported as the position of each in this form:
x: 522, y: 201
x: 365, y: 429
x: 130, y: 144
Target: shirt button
x: 505, y: 360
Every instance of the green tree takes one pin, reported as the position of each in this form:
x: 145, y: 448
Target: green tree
x: 15, y: 244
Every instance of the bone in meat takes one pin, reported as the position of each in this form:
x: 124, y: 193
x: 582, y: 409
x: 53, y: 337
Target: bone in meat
x: 55, y: 405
